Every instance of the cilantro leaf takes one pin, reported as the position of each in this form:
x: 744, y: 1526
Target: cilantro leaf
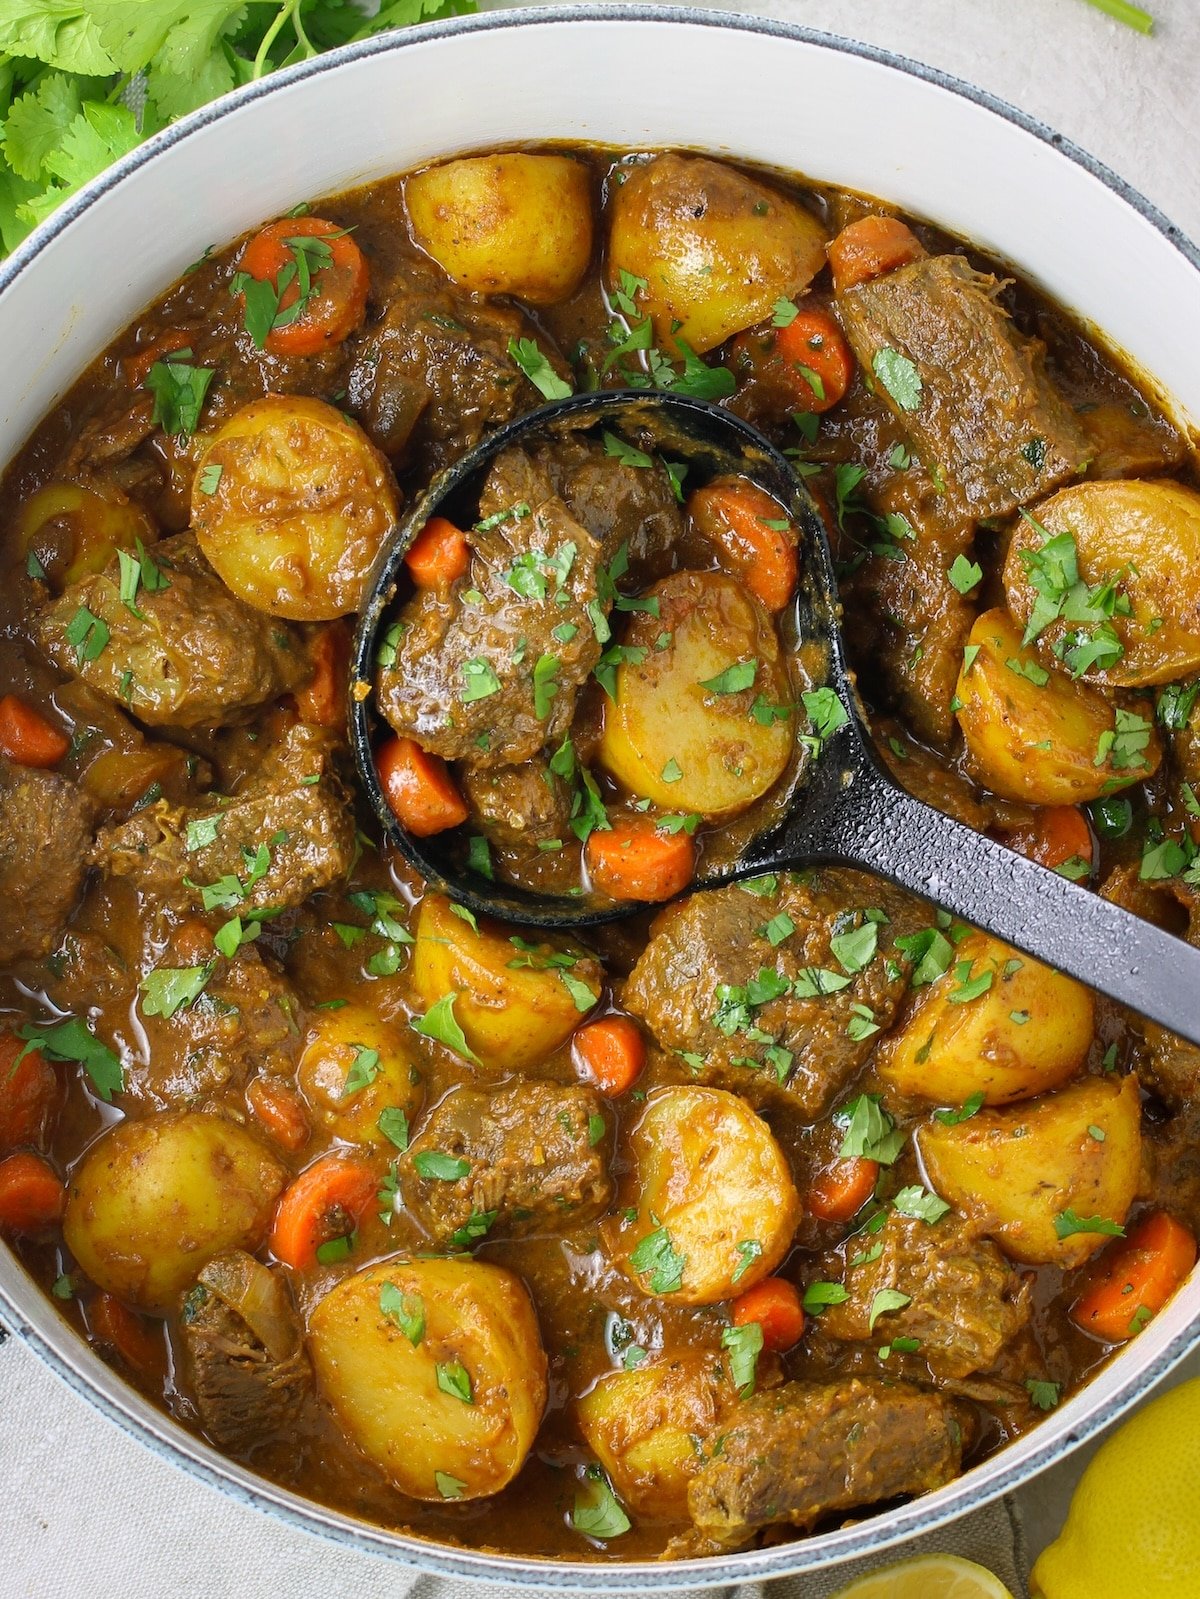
x: 899, y: 377
x: 73, y: 1040
x: 169, y: 988
x: 536, y: 366
x: 440, y: 1023
x: 744, y: 1344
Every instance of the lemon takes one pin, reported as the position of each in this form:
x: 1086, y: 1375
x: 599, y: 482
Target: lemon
x: 1132, y: 1527
x: 928, y: 1577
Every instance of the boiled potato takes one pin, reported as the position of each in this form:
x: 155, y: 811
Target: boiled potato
x: 642, y: 1425
x: 513, y: 1006
x: 708, y: 1183
x: 687, y: 747
x: 75, y: 531
x: 1019, y: 1172
x: 152, y: 1201
x: 715, y: 248
x: 1051, y: 742
x: 356, y: 1065
x: 291, y: 502
x: 436, y: 1370
x: 1028, y: 1031
x: 1145, y: 536
x: 506, y: 224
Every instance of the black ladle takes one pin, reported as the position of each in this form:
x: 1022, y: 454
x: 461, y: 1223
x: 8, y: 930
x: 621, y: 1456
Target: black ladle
x: 847, y: 811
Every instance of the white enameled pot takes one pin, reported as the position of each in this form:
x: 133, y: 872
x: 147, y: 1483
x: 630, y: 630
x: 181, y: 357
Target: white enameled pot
x: 836, y: 111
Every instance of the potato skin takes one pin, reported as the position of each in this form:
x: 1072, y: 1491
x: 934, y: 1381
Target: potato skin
x: 946, y: 1052
x: 152, y: 1201
x: 662, y: 713
x: 716, y: 248
x: 506, y: 224
x: 1007, y: 721
x: 334, y: 1044
x: 1151, y: 528
x: 1013, y: 1171
x: 706, y: 1169
x: 512, y: 1017
x: 384, y: 1388
x: 302, y: 504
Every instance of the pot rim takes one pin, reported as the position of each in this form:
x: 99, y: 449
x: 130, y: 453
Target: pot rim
x: 38, y: 1325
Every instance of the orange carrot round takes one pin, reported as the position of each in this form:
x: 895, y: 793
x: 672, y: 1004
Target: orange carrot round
x: 841, y: 1191
x: 29, y: 1094
x: 808, y: 362
x: 338, y: 301
x: 31, y: 1196
x: 439, y: 554
x: 634, y: 860
x: 136, y: 367
x: 776, y: 1306
x: 280, y: 1111
x: 327, y: 1200
x: 322, y: 700
x: 613, y: 1052
x: 869, y: 248
x: 27, y: 737
x: 113, y: 1323
x: 1135, y: 1278
x: 419, y: 788
x: 743, y: 522
x: 1057, y: 834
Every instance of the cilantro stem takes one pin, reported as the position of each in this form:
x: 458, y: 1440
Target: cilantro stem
x: 1132, y: 16
x: 286, y: 12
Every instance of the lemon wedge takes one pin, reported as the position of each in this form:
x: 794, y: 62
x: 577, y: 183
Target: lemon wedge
x: 928, y: 1577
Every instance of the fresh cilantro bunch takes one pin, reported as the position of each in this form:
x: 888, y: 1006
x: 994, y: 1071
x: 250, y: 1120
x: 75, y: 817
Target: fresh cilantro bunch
x: 84, y: 81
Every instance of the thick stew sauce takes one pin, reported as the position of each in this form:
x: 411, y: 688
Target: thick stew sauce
x: 770, y: 1206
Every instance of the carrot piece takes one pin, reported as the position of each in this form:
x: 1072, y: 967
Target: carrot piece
x: 29, y: 1094
x: 613, y: 1052
x: 327, y: 1200
x: 775, y: 1305
x: 736, y: 517
x: 635, y: 861
x: 1057, y: 834
x: 27, y: 737
x: 808, y: 362
x: 338, y: 301
x: 1135, y: 1278
x: 31, y: 1196
x: 281, y: 1113
x: 439, y: 554
x: 113, y: 1323
x: 322, y: 700
x: 419, y: 788
x: 842, y: 1190
x: 869, y: 248
x: 136, y: 367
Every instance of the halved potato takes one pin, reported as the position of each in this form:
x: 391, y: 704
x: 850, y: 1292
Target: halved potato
x: 1029, y: 1173
x: 506, y: 224
x: 715, y: 248
x: 291, y: 502
x: 514, y: 1006
x: 436, y: 1370
x: 1042, y: 738
x: 1145, y: 536
x: 714, y: 1207
x: 687, y: 747
x: 356, y: 1065
x: 1028, y: 1031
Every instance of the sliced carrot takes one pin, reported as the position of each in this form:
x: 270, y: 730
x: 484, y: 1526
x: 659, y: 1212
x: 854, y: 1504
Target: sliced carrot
x: 327, y: 1200
x: 1057, y: 834
x: 31, y: 1196
x: 808, y: 362
x: 743, y: 524
x: 634, y: 860
x: 338, y: 299
x: 869, y: 248
x: 776, y: 1306
x: 841, y: 1191
x: 322, y: 700
x: 27, y: 737
x: 281, y: 1112
x: 136, y: 367
x: 1135, y: 1278
x: 419, y: 788
x: 29, y: 1094
x: 439, y: 554
x: 114, y: 1324
x: 613, y: 1052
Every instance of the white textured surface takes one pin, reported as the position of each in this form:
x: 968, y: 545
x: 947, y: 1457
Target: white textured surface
x: 83, y: 1506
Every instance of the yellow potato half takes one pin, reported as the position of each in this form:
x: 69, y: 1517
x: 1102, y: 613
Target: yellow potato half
x: 291, y: 502
x: 356, y: 1065
x: 436, y: 1370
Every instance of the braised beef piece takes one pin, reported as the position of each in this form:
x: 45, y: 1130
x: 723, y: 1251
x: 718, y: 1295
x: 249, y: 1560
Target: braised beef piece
x: 244, y: 1350
x: 45, y: 835
x: 965, y: 1301
x: 986, y: 414
x: 1129, y: 441
x: 619, y: 505
x: 755, y: 1017
x: 795, y: 1454
x: 928, y: 778
x: 536, y: 1157
x: 525, y: 812
x: 287, y: 832
x: 187, y: 653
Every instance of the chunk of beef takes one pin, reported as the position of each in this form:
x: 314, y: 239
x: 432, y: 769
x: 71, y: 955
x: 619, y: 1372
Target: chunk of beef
x: 754, y: 1018
x: 965, y: 1301
x: 491, y: 679
x: 45, y: 835
x: 1129, y: 441
x: 534, y: 1166
x: 986, y: 415
x: 188, y: 654
x: 245, y: 1352
x: 800, y: 1452
x: 619, y: 505
x: 521, y: 809
x: 927, y: 778
x: 288, y: 832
